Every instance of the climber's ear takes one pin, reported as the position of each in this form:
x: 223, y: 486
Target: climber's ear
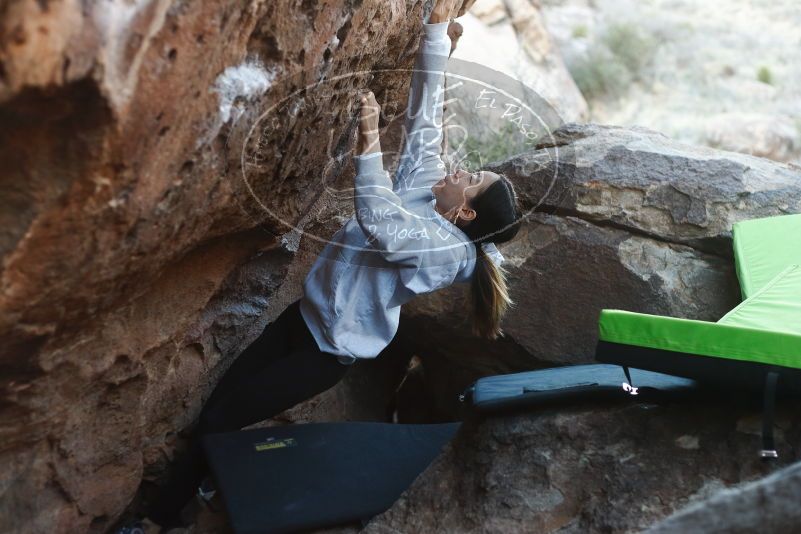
x: 466, y: 213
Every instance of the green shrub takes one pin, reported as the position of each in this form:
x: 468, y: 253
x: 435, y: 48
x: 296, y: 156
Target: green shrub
x: 493, y: 146
x: 580, y: 31
x: 618, y: 57
x: 630, y: 46
x: 600, y: 74
x: 764, y: 75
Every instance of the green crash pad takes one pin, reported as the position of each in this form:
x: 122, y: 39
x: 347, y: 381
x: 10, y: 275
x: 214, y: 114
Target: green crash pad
x: 765, y: 247
x: 775, y: 307
x: 757, y: 345
x: 765, y: 328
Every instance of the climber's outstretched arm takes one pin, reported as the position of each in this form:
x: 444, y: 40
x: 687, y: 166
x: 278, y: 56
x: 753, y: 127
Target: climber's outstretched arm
x: 420, y: 165
x: 423, y: 116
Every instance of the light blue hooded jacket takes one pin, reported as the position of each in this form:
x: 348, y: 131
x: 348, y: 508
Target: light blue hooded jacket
x: 396, y: 245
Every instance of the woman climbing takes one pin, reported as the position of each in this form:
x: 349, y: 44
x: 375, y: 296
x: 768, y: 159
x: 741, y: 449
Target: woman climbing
x: 426, y: 231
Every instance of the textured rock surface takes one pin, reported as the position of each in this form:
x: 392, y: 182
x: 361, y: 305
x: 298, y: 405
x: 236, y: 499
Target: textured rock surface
x: 602, y: 468
x: 644, y: 182
x: 769, y: 136
x: 625, y: 218
x: 136, y: 261
x: 767, y: 505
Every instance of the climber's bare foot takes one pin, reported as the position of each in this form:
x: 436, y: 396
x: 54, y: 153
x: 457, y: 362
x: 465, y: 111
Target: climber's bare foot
x: 455, y: 31
x: 369, y: 111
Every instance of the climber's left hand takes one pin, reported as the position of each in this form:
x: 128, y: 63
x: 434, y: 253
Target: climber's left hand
x: 455, y: 31
x: 369, y: 111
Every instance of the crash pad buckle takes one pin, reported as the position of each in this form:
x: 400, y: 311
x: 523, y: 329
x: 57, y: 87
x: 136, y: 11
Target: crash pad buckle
x: 628, y: 386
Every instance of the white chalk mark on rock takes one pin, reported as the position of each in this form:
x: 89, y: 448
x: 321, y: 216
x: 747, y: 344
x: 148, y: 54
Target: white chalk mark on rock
x: 239, y: 85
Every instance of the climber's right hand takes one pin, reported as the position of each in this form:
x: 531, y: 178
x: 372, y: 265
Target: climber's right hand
x: 466, y: 5
x: 444, y: 11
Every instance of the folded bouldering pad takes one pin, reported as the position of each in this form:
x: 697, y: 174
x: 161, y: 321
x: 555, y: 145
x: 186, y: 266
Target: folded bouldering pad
x: 762, y: 334
x: 757, y: 345
x: 298, y: 477
x: 763, y: 248
x: 544, y: 387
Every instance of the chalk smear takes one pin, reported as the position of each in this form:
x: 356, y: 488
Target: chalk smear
x: 240, y: 84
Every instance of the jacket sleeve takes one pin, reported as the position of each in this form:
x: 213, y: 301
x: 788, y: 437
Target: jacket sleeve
x: 420, y: 165
x: 401, y: 236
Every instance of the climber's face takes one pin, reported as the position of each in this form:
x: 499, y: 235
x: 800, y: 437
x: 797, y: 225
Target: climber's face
x: 455, y: 193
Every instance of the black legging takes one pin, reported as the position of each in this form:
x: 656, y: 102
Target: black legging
x: 281, y: 368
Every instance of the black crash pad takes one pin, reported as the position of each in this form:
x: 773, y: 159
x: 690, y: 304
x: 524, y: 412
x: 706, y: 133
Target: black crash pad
x: 298, y: 477
x: 573, y: 383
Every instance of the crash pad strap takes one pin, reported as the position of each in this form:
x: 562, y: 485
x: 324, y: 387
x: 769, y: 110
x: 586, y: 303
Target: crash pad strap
x: 768, y: 416
x: 628, y: 374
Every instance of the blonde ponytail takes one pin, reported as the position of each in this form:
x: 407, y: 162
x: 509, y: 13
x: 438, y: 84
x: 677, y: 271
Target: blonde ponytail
x: 490, y: 296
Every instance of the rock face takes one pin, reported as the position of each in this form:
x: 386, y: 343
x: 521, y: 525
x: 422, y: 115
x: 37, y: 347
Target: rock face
x: 768, y: 136
x: 766, y: 505
x: 646, y: 183
x: 602, y: 468
x: 138, y: 254
x: 620, y: 218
